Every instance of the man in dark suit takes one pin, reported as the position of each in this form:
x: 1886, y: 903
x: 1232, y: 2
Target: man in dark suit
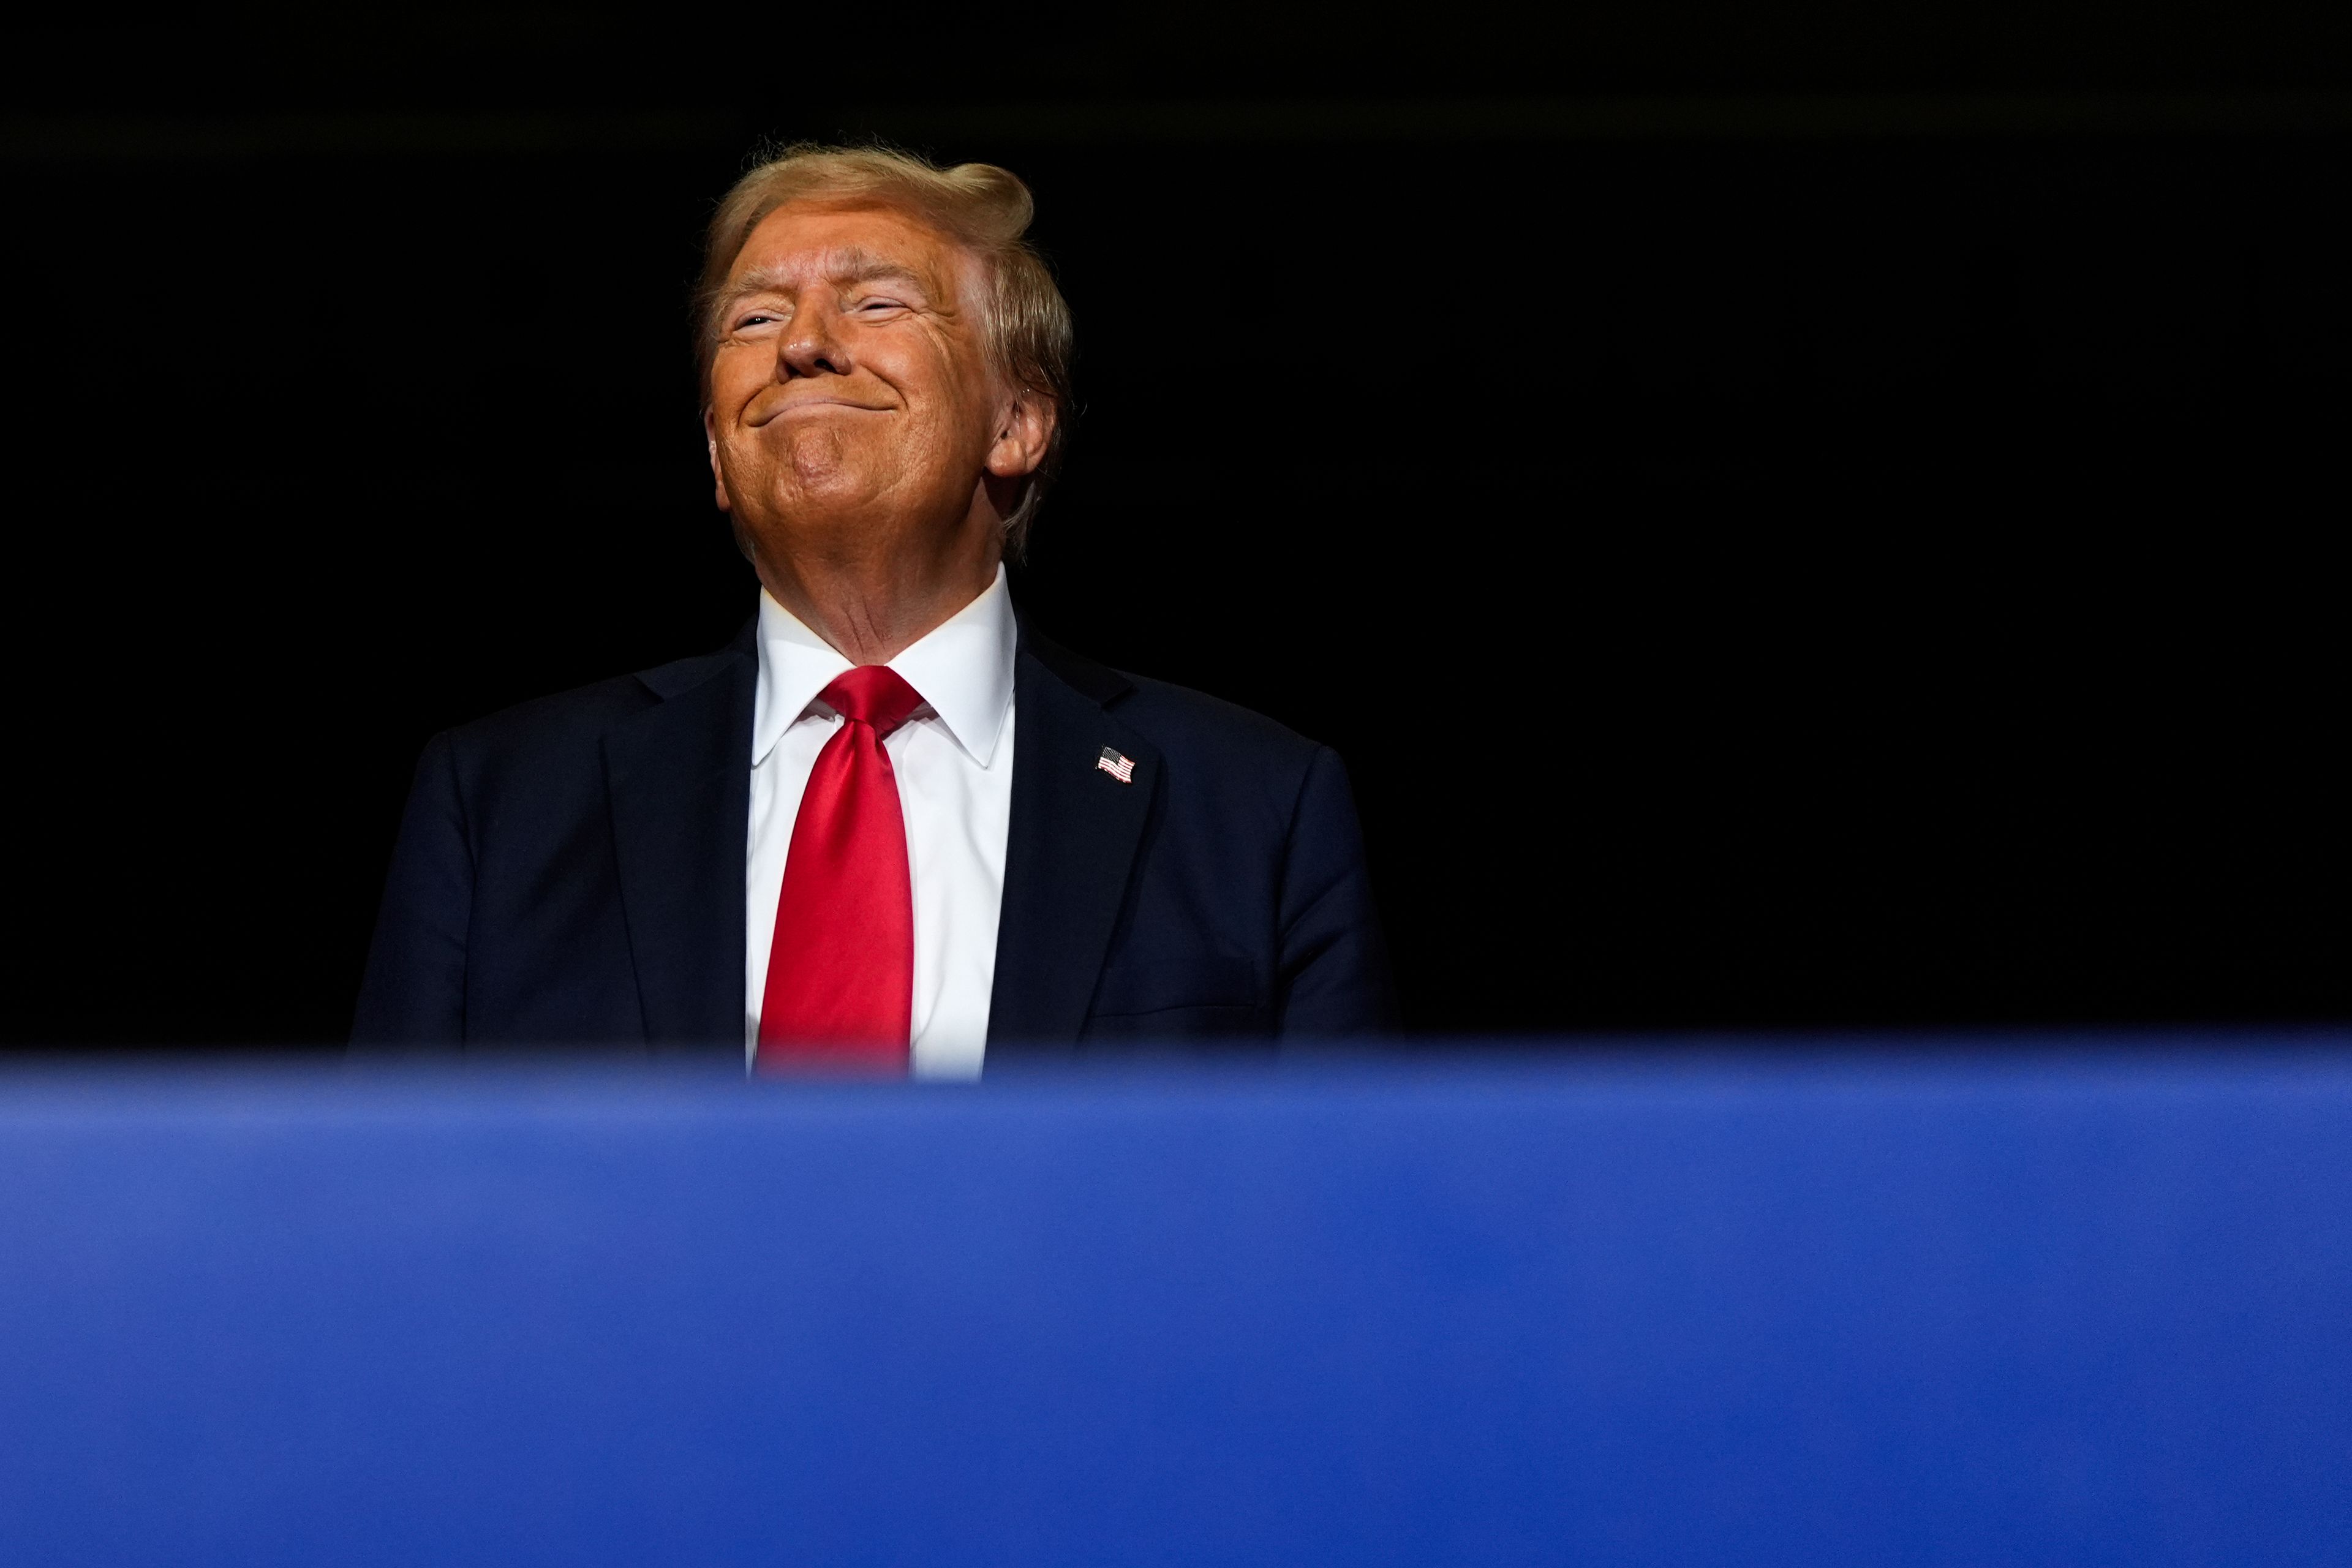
x: 890, y: 826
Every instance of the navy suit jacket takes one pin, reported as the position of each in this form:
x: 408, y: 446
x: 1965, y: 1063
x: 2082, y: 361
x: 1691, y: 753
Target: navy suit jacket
x: 571, y: 872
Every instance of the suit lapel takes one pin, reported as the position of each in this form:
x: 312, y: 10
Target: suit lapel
x: 679, y: 775
x: 1069, y: 848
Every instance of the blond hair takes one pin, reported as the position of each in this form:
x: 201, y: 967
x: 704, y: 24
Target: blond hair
x: 1024, y: 321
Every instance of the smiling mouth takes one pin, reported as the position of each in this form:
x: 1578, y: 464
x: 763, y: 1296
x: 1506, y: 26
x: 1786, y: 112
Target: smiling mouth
x: 815, y: 404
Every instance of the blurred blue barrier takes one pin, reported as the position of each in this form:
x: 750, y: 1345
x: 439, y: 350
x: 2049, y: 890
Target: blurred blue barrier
x: 2055, y: 1307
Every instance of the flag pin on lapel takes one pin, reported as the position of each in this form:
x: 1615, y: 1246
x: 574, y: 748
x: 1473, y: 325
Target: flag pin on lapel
x: 1116, y: 766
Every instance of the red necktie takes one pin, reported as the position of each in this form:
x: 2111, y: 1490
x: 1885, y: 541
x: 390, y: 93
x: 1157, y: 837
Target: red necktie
x: 841, y: 974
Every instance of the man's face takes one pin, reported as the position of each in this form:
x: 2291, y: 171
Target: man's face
x: 853, y: 410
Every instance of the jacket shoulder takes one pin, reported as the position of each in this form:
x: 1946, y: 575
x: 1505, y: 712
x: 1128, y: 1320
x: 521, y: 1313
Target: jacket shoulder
x: 1179, y: 719
x: 564, y: 721
x: 1184, y: 723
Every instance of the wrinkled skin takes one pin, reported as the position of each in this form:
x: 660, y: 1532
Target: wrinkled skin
x: 861, y: 441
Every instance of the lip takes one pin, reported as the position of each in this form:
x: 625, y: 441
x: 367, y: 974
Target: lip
x: 811, y: 404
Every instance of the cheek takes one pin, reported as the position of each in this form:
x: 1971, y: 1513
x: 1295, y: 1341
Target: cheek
x: 939, y: 380
x: 735, y: 375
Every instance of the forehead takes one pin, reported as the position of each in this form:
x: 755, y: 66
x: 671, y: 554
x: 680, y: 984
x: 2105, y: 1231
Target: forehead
x: 803, y: 242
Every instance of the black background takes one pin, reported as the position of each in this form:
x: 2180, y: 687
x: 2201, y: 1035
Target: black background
x: 1797, y: 515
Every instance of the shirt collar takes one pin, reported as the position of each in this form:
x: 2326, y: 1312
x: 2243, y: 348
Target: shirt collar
x: 963, y: 667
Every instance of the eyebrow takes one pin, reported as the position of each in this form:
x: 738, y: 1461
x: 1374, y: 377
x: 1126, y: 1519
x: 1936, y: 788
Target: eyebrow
x: 848, y: 265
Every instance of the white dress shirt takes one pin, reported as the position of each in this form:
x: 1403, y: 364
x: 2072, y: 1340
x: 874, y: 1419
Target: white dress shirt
x: 954, y: 759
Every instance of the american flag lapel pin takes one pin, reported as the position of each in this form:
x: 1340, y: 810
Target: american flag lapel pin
x: 1120, y: 767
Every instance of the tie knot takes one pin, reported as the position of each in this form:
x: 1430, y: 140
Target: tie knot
x: 872, y: 694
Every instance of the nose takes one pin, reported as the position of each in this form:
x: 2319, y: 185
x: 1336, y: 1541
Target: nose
x: 812, y: 345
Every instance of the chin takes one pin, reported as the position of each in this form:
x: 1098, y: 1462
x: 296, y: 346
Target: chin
x: 844, y: 492
x: 821, y: 466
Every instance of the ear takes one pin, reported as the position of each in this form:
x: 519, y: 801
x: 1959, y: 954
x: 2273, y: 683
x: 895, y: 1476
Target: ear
x: 717, y: 476
x: 1024, y: 429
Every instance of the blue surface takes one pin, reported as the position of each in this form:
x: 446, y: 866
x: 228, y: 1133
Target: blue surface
x: 2026, y: 1308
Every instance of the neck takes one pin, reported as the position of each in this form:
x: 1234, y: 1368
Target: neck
x: 872, y: 609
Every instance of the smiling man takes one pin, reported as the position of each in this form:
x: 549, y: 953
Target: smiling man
x: 890, y: 826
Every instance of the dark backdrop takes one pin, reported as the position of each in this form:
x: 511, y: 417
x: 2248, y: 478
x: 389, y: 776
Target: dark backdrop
x: 1795, y: 518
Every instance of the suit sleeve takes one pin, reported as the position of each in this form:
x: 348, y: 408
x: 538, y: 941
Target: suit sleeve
x: 415, y: 990
x: 1335, y: 965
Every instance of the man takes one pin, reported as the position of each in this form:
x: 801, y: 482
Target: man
x: 890, y: 825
